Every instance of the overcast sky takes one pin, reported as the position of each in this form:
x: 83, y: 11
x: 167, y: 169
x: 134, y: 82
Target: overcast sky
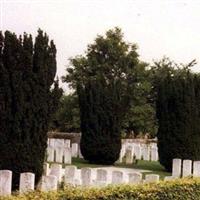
x: 159, y: 27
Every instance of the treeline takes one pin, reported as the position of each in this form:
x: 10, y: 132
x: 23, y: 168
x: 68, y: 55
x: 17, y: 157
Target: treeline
x: 115, y: 94
x: 118, y: 94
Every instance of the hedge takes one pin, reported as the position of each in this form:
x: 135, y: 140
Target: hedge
x: 180, y: 189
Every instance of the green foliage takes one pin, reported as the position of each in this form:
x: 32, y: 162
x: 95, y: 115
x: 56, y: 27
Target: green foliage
x: 141, y: 117
x: 178, y: 114
x: 67, y: 117
x: 184, y: 189
x: 26, y: 102
x: 104, y: 79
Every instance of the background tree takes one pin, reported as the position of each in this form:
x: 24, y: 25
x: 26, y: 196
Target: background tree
x: 67, y: 117
x: 27, y: 72
x: 141, y: 117
x: 178, y: 114
x: 105, y: 80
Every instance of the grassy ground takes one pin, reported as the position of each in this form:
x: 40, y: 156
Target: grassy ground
x: 153, y: 166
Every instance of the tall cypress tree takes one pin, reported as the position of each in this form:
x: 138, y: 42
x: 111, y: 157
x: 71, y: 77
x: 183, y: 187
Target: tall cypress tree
x: 105, y: 79
x: 27, y: 102
x: 178, y: 117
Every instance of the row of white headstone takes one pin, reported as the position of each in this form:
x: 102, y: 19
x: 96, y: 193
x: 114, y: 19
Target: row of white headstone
x: 64, y: 143
x: 62, y: 151
x: 88, y: 177
x: 184, y: 168
x: 98, y: 176
x: 27, y: 182
x: 129, y: 151
x: 57, y: 148
x: 59, y: 155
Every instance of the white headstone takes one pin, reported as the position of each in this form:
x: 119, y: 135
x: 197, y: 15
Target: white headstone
x: 27, y: 182
x: 129, y: 156
x: 67, y: 156
x: 59, y: 143
x: 122, y: 154
x: 146, y: 153
x: 101, y: 178
x: 74, y: 150
x: 176, y: 167
x: 5, y: 182
x: 49, y: 183
x: 151, y: 178
x: 50, y: 154
x: 80, y: 154
x: 67, y: 143
x: 117, y: 177
x: 56, y: 170
x: 134, y: 177
x: 154, y: 154
x: 187, y: 168
x: 137, y: 152
x: 70, y: 172
x: 196, y: 168
x: 51, y: 142
x: 46, y: 169
x: 86, y: 176
x: 59, y: 154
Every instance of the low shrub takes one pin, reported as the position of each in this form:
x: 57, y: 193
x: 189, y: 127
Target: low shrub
x: 180, y: 189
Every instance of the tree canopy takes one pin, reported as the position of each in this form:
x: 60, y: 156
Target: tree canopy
x: 105, y: 80
x: 178, y: 113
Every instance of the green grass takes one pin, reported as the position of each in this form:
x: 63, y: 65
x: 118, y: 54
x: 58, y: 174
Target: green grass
x: 153, y: 166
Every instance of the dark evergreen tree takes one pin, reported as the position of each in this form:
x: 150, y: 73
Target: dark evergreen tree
x: 178, y: 116
x: 105, y: 80
x: 26, y: 101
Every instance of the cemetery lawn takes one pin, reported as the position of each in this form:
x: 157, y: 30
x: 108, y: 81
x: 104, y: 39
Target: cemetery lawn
x: 153, y: 166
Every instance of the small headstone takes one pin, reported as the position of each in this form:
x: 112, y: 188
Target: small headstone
x: 59, y: 143
x: 67, y: 156
x: 67, y: 143
x: 137, y: 152
x: 176, y: 167
x: 86, y: 176
x: 74, y: 150
x: 154, y: 154
x: 50, y: 154
x: 49, y: 183
x: 146, y: 153
x: 46, y: 169
x: 122, y: 154
x: 51, y: 142
x: 56, y: 170
x: 101, y: 178
x: 196, y: 169
x: 129, y: 156
x: 59, y: 154
x: 70, y: 172
x: 27, y: 182
x: 117, y: 177
x: 79, y: 153
x: 187, y: 168
x: 5, y: 182
x: 134, y: 178
x: 151, y: 178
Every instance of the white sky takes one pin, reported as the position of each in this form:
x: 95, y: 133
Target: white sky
x: 159, y: 27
